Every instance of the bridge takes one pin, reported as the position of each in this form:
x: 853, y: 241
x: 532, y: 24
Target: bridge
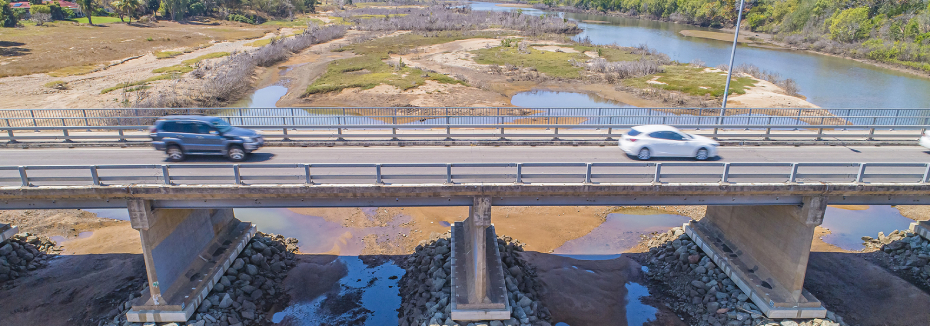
x: 759, y: 224
x: 481, y: 126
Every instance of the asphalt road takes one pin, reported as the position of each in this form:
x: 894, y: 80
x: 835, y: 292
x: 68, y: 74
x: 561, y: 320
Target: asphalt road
x: 507, y: 154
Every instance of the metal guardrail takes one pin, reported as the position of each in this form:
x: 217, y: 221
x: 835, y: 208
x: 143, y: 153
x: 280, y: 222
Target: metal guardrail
x: 464, y: 173
x: 483, y: 116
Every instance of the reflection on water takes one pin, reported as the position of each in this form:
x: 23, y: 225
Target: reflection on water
x: 267, y: 97
x: 848, y: 226
x: 368, y: 295
x: 617, y: 234
x: 549, y: 99
x: 637, y: 312
x: 373, y: 288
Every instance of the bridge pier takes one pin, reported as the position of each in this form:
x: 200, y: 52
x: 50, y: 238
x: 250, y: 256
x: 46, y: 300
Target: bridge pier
x: 764, y: 250
x: 7, y: 231
x: 478, y: 289
x: 186, y: 251
x: 921, y: 228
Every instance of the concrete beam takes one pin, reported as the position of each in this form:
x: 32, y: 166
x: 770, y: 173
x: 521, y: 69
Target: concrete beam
x: 300, y: 195
x: 764, y: 250
x: 185, y: 252
x: 7, y: 231
x: 478, y: 288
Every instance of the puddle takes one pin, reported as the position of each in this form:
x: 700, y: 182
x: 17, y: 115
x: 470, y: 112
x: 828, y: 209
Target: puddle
x: 549, y: 99
x: 617, y: 234
x: 59, y: 239
x: 849, y: 224
x: 637, y: 312
x: 368, y: 295
x: 445, y: 224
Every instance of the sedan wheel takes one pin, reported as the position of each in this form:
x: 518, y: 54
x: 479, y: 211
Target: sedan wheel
x: 236, y: 154
x: 644, y: 154
x: 701, y: 154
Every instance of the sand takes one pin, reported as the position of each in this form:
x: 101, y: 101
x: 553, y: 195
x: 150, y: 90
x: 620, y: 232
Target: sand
x: 766, y: 95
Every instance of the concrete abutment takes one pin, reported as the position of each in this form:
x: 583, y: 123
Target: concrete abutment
x: 764, y: 249
x: 7, y: 231
x: 186, y: 251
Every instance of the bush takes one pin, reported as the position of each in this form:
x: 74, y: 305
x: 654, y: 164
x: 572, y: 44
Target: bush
x: 197, y: 9
x: 40, y: 9
x: 240, y: 18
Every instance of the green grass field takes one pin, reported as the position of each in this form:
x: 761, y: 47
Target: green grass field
x: 553, y: 64
x: 692, y: 81
x: 369, y: 71
x: 98, y: 20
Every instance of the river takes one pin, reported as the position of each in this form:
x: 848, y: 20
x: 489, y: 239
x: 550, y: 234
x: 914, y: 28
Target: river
x: 826, y: 81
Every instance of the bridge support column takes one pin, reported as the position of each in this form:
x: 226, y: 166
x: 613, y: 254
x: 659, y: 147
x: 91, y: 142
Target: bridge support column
x: 186, y: 251
x: 7, y: 231
x: 922, y: 228
x: 478, y: 289
x: 764, y: 250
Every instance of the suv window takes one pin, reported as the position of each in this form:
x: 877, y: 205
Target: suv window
x: 203, y: 128
x: 170, y: 126
x: 633, y: 132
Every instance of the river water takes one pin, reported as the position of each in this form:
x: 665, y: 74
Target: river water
x: 826, y: 81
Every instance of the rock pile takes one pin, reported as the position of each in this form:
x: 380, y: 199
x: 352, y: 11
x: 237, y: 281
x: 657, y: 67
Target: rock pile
x: 701, y: 292
x: 23, y: 252
x: 250, y: 287
x: 426, y: 287
x: 908, y: 252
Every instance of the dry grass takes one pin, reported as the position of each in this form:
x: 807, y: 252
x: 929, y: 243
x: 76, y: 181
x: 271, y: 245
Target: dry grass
x: 38, y: 49
x: 73, y: 71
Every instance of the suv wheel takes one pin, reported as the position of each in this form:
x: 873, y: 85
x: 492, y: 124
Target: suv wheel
x: 175, y: 154
x: 236, y: 154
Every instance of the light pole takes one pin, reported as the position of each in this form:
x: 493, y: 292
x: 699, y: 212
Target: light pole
x: 726, y: 90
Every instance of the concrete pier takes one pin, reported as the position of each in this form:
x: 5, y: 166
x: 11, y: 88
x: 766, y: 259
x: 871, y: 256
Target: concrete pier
x: 764, y: 250
x: 7, y: 231
x: 478, y: 289
x: 922, y: 229
x: 186, y: 251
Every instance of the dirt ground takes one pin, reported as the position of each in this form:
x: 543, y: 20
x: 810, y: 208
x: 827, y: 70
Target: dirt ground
x: 39, y: 49
x: 767, y: 95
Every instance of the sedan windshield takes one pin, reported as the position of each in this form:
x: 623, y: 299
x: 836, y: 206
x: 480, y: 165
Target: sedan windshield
x: 222, y: 126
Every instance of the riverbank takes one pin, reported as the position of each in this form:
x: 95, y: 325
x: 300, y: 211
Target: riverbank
x: 726, y: 35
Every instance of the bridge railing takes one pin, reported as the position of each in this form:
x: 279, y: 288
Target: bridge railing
x: 470, y: 116
x: 463, y: 173
x: 486, y: 132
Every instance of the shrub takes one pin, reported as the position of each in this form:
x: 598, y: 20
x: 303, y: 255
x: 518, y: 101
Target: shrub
x: 8, y: 18
x: 240, y: 18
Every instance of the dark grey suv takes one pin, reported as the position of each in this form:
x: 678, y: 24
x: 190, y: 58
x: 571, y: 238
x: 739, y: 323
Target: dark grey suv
x: 184, y: 135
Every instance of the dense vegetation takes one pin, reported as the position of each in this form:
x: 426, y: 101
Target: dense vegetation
x: 896, y: 31
x: 245, y: 11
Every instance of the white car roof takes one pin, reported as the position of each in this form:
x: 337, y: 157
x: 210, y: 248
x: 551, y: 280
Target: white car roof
x: 651, y: 128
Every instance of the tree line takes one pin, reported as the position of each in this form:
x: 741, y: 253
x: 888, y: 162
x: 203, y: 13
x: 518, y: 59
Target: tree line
x: 248, y: 11
x: 884, y: 30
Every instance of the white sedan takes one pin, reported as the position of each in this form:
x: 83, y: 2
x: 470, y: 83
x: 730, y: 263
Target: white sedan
x: 646, y: 142
x: 925, y: 139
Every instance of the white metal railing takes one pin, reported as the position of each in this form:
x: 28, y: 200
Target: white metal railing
x: 463, y: 173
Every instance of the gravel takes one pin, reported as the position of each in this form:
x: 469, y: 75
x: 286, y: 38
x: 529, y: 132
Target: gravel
x: 700, y: 292
x: 426, y: 287
x: 22, y: 253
